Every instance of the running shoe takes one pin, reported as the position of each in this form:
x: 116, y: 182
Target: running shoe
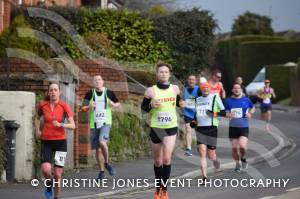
x: 244, y: 163
x: 101, y: 175
x: 110, y: 170
x: 237, y: 168
x: 48, y: 192
x: 204, y: 179
x: 188, y: 152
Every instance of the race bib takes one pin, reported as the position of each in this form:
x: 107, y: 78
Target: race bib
x: 202, y: 111
x: 164, y: 118
x: 100, y: 118
x: 190, y: 103
x: 237, y: 112
x: 267, y: 101
x: 60, y: 158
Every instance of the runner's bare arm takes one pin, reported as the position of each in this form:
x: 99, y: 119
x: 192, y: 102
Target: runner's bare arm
x: 149, y: 93
x: 70, y: 124
x: 259, y: 94
x: 223, y: 92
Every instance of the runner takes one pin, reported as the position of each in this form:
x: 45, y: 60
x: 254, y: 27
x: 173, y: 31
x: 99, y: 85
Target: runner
x: 206, y: 122
x: 161, y: 100
x: 216, y: 86
x: 239, y: 109
x: 266, y: 95
x: 239, y: 80
x: 99, y: 101
x: 54, y: 112
x: 189, y: 95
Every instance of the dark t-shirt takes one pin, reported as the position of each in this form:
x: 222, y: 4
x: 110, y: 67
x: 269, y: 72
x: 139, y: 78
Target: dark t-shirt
x: 110, y: 94
x: 190, y: 90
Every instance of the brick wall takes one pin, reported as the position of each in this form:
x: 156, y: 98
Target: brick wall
x: 26, y: 76
x: 5, y: 11
x: 75, y: 3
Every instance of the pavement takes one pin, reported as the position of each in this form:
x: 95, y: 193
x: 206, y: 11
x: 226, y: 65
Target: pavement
x: 138, y: 175
x: 290, y: 109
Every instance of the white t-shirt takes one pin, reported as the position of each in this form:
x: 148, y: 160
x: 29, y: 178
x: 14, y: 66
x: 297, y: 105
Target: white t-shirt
x: 204, y: 105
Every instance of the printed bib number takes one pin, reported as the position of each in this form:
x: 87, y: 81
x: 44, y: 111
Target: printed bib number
x: 190, y: 103
x: 163, y: 118
x: 202, y: 111
x: 100, y: 118
x: 267, y: 101
x: 60, y: 158
x: 237, y: 112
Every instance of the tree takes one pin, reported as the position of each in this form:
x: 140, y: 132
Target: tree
x: 252, y: 24
x: 189, y: 35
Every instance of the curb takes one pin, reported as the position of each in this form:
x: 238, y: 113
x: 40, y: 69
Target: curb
x: 193, y: 174
x: 288, y: 109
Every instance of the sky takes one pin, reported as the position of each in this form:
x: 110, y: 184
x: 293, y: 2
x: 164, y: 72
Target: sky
x: 285, y: 14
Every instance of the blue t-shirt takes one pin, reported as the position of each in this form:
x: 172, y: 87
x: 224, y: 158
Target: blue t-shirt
x: 239, y: 108
x: 189, y: 96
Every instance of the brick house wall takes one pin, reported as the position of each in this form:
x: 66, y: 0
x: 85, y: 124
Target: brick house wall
x: 5, y: 11
x: 7, y: 5
x: 26, y: 76
x: 75, y: 3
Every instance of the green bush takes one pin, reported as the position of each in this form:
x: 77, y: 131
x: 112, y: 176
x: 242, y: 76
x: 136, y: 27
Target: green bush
x: 130, y: 34
x: 2, y: 147
x: 99, y: 43
x: 252, y: 23
x: 254, y: 55
x: 237, y: 55
x: 128, y: 139
x: 10, y: 39
x: 280, y: 81
x: 190, y: 36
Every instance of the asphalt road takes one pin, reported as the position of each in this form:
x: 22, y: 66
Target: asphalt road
x: 288, y: 170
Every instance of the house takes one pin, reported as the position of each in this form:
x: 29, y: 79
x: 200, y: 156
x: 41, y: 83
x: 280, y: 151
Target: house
x: 111, y: 4
x: 6, y: 6
x: 5, y: 11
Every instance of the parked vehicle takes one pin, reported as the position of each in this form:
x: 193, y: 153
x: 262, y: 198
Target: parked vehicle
x: 256, y: 85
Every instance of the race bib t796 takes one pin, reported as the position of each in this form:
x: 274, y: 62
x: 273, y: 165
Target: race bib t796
x: 164, y: 118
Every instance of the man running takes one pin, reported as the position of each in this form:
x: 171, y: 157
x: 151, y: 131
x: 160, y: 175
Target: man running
x: 239, y: 80
x: 207, y: 108
x: 191, y: 91
x: 266, y: 95
x: 239, y: 110
x: 216, y: 86
x: 99, y: 101
x: 161, y: 101
x: 54, y: 112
